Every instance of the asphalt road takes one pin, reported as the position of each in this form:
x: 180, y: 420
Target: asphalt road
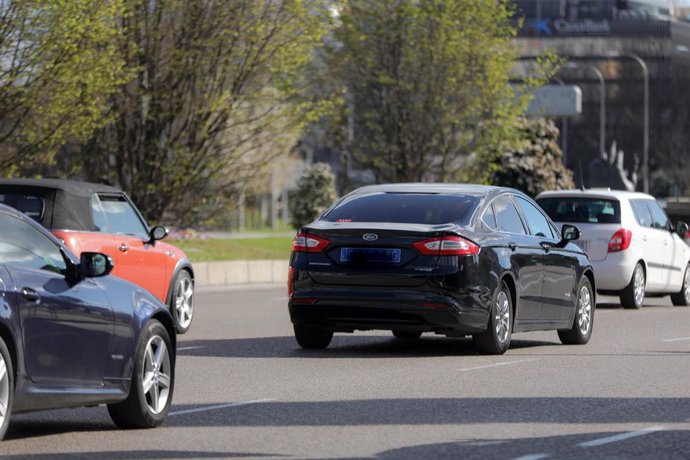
x: 246, y: 390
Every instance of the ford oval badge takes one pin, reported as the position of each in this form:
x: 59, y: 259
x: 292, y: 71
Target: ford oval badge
x: 370, y: 237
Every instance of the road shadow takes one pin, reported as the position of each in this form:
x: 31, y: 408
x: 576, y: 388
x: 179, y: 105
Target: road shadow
x: 342, y: 346
x: 136, y: 454
x: 439, y: 411
x: 22, y: 428
x: 655, y: 444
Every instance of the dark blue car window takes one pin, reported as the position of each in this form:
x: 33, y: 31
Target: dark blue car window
x: 21, y: 244
x: 406, y: 208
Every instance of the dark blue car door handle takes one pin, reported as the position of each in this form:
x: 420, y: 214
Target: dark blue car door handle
x: 30, y: 295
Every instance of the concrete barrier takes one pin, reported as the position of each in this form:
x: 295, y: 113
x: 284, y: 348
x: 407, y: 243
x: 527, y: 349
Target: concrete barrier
x: 239, y: 272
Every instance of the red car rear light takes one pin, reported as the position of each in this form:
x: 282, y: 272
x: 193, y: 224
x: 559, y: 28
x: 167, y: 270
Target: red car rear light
x: 446, y: 246
x: 620, y: 241
x: 308, y: 243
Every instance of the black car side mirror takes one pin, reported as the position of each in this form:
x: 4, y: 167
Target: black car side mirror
x: 95, y: 264
x: 569, y: 233
x: 158, y: 233
x: 682, y: 229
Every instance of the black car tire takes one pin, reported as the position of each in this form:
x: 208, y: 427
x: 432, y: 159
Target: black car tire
x: 628, y: 296
x: 682, y: 298
x: 490, y: 342
x: 136, y: 411
x: 406, y: 335
x: 6, y: 387
x: 182, y: 301
x: 313, y: 337
x: 583, y: 322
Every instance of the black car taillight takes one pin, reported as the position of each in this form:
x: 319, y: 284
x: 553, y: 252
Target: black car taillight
x: 304, y: 242
x: 446, y: 246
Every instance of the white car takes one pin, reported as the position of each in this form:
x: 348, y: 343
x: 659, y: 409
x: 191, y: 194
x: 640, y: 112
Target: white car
x: 631, y: 243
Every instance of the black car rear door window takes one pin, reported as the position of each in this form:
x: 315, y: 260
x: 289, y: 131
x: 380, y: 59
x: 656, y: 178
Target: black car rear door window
x: 507, y: 217
x: 537, y: 224
x: 489, y: 218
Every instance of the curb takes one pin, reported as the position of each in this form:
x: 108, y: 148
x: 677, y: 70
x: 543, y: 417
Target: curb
x: 240, y: 273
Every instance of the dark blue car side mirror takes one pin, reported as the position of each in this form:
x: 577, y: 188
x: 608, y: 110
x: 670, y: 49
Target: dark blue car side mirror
x: 95, y: 264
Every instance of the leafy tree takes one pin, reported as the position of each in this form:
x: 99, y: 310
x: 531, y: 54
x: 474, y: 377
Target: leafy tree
x: 426, y: 84
x: 212, y: 101
x: 59, y: 63
x: 315, y: 192
x: 535, y: 164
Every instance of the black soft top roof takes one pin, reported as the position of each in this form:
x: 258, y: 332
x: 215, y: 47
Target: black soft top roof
x: 72, y: 187
x: 66, y: 204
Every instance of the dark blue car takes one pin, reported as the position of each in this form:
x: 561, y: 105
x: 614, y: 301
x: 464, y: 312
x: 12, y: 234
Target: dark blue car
x: 70, y: 335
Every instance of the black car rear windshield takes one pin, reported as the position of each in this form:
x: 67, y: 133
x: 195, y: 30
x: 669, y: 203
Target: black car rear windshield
x: 579, y: 210
x: 405, y: 208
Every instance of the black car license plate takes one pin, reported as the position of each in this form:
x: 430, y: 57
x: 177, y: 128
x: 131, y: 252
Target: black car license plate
x: 370, y: 255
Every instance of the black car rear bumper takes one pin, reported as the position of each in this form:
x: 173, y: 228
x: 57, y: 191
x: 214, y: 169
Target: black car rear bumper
x: 387, y: 309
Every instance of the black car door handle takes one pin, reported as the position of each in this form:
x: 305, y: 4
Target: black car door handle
x: 30, y: 295
x: 546, y: 246
x: 512, y: 246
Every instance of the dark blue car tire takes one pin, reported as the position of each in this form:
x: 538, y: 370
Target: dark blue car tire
x: 495, y: 340
x: 6, y: 388
x: 153, y: 380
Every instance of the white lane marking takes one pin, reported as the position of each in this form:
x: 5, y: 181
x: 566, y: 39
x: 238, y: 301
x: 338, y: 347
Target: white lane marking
x: 680, y: 339
x: 189, y: 348
x: 533, y: 457
x: 621, y: 437
x: 220, y: 406
x: 497, y: 364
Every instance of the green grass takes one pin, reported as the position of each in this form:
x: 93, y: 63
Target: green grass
x: 212, y: 249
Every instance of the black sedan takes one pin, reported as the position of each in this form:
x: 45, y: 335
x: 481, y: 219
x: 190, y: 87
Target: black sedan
x: 455, y: 260
x: 70, y: 335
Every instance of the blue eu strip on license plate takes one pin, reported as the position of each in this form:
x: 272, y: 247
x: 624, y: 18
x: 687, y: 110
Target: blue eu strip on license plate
x: 370, y: 255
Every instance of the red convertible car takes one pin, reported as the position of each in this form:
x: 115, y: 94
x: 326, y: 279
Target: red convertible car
x: 99, y: 218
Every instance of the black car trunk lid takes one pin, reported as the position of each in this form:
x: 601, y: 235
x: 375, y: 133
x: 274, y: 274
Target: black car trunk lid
x: 372, y: 254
